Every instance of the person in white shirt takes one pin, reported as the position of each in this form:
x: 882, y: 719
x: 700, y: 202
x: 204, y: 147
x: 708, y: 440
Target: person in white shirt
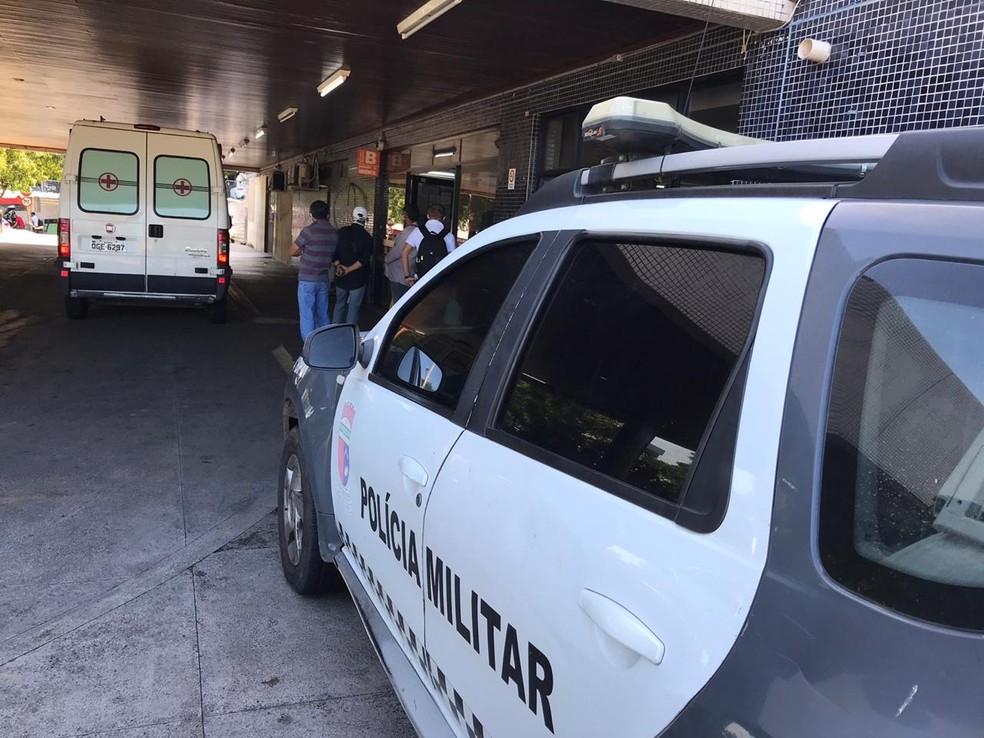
x: 36, y: 225
x: 396, y: 261
x: 435, y: 226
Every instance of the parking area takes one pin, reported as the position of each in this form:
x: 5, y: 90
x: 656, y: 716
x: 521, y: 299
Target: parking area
x: 142, y: 592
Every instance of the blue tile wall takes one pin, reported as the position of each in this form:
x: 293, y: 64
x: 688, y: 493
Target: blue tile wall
x: 894, y: 66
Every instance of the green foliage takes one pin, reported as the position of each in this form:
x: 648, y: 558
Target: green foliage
x: 395, y: 199
x: 21, y: 170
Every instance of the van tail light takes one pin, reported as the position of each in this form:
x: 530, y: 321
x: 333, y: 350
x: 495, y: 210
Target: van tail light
x: 64, y: 238
x: 223, y: 253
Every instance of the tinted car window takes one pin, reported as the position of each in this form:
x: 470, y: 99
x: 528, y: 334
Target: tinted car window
x: 902, y: 498
x: 108, y: 182
x: 434, y: 345
x: 630, y: 357
x: 181, y: 188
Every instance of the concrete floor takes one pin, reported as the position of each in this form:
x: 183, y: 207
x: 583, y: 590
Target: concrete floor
x: 140, y: 584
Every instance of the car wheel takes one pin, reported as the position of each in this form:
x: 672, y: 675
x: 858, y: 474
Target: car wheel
x: 297, y: 523
x: 76, y: 308
x: 218, y: 312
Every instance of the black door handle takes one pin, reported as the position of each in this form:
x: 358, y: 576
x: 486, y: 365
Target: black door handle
x: 156, y: 231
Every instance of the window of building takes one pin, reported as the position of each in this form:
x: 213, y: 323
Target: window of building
x: 435, y: 343
x: 109, y: 182
x: 630, y: 357
x: 902, y: 494
x: 182, y: 188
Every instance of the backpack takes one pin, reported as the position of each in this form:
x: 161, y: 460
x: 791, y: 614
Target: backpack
x: 431, y: 249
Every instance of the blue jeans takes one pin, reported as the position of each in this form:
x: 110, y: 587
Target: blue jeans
x: 312, y: 304
x: 347, y: 304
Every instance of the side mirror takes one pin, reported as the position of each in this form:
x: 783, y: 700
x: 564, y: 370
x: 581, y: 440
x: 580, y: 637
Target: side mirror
x: 365, y: 353
x: 420, y: 371
x: 332, y: 347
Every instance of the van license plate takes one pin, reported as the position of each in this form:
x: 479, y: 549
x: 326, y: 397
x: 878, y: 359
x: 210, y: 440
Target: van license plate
x: 110, y: 246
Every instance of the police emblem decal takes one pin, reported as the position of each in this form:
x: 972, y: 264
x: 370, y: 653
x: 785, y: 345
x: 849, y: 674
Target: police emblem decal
x: 344, y: 436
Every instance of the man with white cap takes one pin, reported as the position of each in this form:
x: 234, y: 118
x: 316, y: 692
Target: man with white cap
x: 352, y: 261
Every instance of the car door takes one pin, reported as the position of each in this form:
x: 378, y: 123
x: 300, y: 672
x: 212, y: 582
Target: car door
x: 581, y: 576
x: 397, y: 419
x: 108, y: 216
x: 182, y: 235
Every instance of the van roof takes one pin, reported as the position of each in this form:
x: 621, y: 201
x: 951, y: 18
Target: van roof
x: 132, y: 126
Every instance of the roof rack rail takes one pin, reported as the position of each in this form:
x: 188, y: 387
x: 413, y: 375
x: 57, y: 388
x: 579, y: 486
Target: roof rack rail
x: 939, y: 164
x: 836, y: 158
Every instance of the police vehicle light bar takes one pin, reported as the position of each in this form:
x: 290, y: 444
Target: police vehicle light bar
x: 627, y: 125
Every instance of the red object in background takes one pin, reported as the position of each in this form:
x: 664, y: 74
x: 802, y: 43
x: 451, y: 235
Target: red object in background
x: 397, y: 162
x: 223, y: 252
x: 64, y: 238
x: 367, y: 163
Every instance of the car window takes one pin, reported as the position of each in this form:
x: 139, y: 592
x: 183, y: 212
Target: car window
x: 109, y: 182
x: 902, y: 494
x: 434, y: 344
x: 181, y: 188
x: 630, y: 357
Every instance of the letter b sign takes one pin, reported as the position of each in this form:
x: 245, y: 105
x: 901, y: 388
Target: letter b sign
x: 367, y: 165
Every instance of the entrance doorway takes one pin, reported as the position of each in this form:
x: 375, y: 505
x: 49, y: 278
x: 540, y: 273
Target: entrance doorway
x: 434, y: 188
x: 459, y: 173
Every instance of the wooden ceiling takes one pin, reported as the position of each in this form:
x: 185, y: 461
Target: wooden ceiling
x: 230, y: 67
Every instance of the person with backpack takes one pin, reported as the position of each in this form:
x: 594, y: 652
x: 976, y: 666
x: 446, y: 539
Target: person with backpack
x: 431, y: 241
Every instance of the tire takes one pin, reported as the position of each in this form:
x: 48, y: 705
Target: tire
x: 297, y: 525
x: 218, y: 312
x: 76, y: 308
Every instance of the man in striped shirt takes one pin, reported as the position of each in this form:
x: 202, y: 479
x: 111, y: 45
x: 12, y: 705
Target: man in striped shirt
x: 316, y: 245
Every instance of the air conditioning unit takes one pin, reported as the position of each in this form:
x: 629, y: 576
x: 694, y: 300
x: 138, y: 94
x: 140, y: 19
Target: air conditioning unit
x: 303, y: 175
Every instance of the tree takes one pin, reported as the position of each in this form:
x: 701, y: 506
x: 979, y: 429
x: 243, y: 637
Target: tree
x: 395, y: 199
x: 21, y: 170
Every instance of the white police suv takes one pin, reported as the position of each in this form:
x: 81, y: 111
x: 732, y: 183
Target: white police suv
x: 693, y: 446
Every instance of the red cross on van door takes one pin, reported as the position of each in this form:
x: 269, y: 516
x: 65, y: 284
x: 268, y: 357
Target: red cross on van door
x: 108, y: 181
x: 182, y: 187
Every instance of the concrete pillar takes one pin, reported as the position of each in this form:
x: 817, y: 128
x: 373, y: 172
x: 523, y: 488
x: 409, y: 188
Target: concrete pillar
x: 281, y: 206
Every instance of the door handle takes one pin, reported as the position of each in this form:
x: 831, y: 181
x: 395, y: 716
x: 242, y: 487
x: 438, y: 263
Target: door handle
x: 412, y: 470
x: 155, y: 231
x: 621, y: 625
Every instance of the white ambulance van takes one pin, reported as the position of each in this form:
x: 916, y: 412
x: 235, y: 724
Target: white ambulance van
x: 143, y: 217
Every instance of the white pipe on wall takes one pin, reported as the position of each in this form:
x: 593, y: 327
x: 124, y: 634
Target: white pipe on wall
x: 813, y: 50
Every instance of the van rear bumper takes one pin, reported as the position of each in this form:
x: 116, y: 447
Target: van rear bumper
x: 156, y: 296
x: 189, y: 290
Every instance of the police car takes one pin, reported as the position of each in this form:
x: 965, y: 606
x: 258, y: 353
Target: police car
x: 693, y: 446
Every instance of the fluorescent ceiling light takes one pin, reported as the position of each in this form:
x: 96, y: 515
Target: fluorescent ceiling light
x: 424, y: 15
x: 286, y: 114
x: 334, y: 81
x: 442, y: 153
x: 260, y: 132
x: 439, y: 175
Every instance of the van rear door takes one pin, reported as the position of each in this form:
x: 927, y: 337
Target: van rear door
x: 182, y: 215
x: 107, y: 212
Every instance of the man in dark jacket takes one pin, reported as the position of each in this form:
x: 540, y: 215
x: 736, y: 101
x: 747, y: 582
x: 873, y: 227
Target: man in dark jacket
x: 352, y: 268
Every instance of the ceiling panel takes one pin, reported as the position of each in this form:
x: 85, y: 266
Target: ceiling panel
x: 230, y: 67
